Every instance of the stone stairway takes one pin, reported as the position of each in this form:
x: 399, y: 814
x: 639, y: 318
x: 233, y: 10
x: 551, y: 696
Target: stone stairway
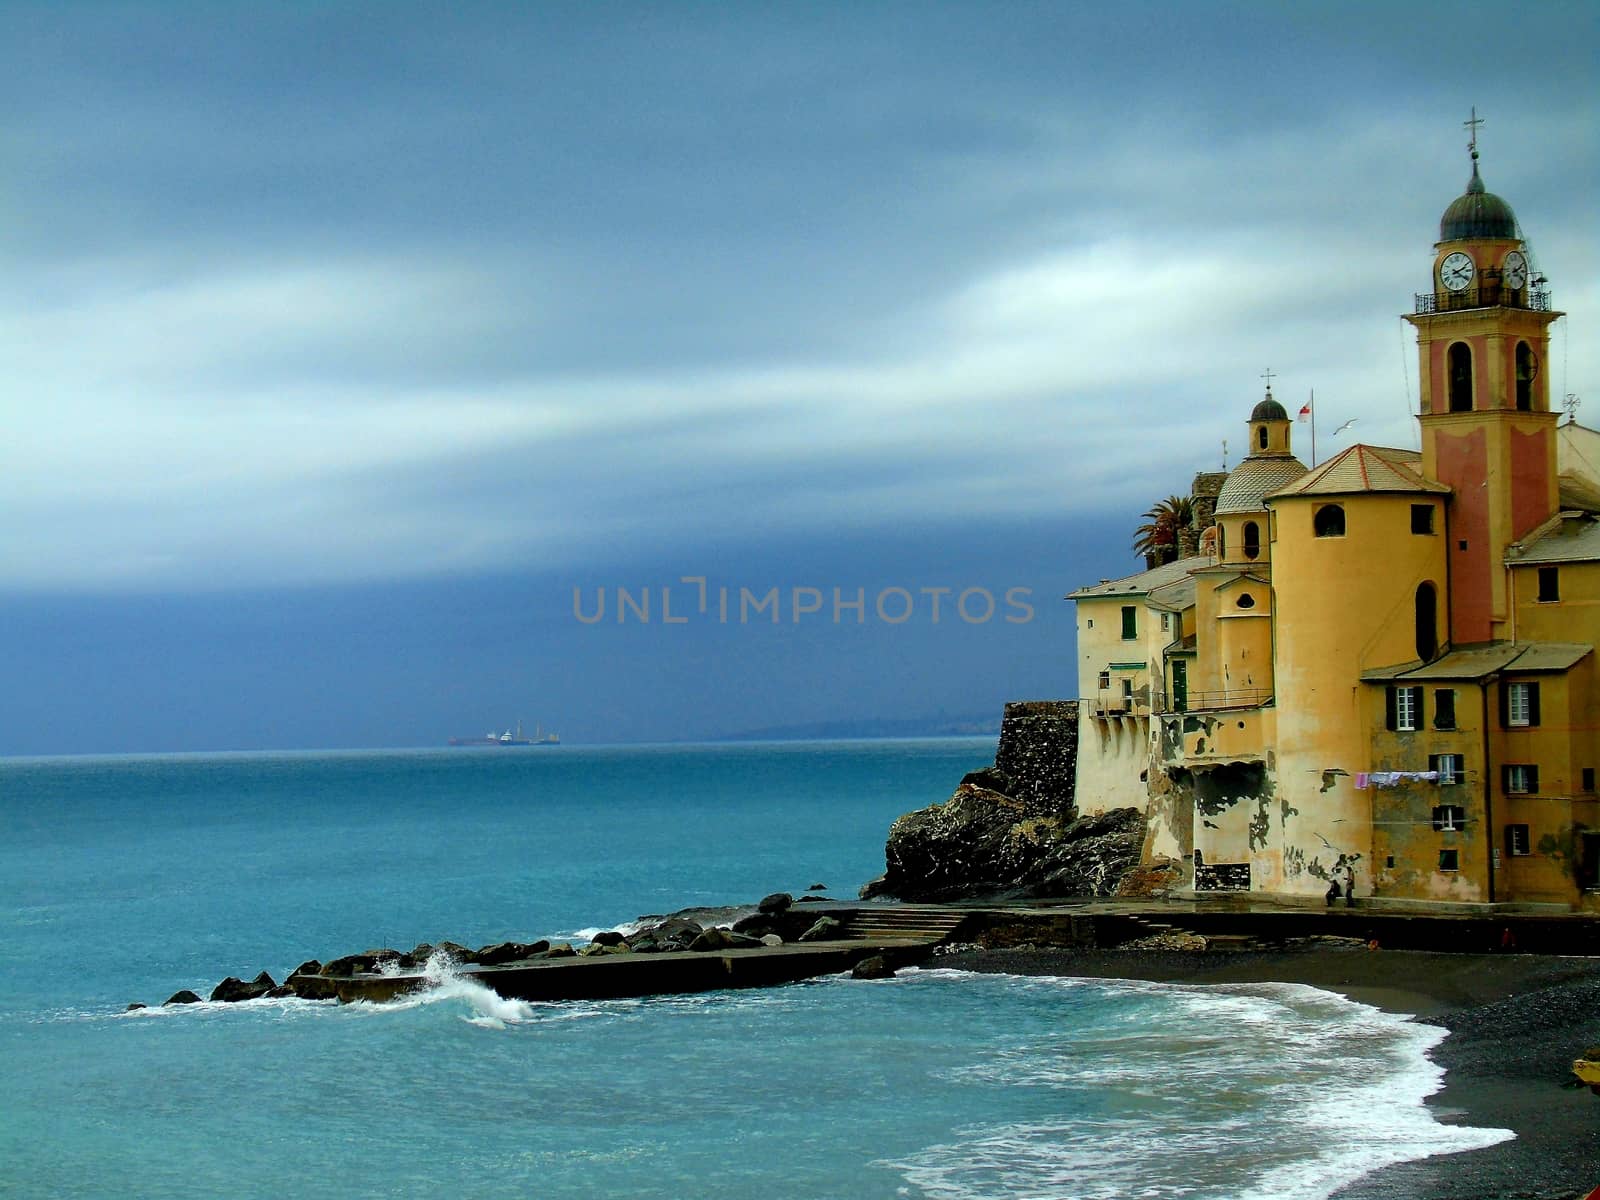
x: 902, y: 923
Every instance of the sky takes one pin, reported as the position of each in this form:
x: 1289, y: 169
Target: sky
x: 353, y: 356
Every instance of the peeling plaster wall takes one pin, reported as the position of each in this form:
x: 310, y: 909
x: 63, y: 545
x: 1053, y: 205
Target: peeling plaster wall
x: 1113, y: 761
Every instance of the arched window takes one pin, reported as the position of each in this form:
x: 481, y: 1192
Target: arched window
x: 1252, y: 539
x: 1222, y: 541
x: 1460, y: 369
x: 1427, y: 621
x: 1329, y: 521
x: 1526, y: 370
x: 1261, y: 436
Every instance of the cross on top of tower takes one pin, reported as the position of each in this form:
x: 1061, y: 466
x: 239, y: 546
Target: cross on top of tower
x: 1267, y: 375
x: 1472, y: 131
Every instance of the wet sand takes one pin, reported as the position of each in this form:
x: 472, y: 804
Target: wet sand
x: 1516, y: 1022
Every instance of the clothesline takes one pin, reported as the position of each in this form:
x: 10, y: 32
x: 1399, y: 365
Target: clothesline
x: 1389, y: 779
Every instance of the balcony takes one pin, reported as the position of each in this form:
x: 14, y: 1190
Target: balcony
x: 1490, y: 295
x: 1232, y: 698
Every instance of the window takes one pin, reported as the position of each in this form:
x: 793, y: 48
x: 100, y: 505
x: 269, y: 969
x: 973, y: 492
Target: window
x: 1520, y: 779
x: 1452, y: 768
x: 1427, y: 621
x: 1549, y: 585
x: 1519, y: 705
x: 1403, y: 709
x: 1460, y: 373
x: 1166, y: 622
x: 1261, y: 436
x: 1444, y: 708
x: 1449, y: 860
x: 1588, y: 779
x: 1329, y: 521
x: 1222, y: 541
x: 1516, y: 840
x: 1527, y: 368
x: 1422, y: 518
x: 1448, y: 818
x: 1127, y: 689
x: 1245, y: 601
x: 1130, y: 623
x: 1105, y: 680
x: 1252, y: 539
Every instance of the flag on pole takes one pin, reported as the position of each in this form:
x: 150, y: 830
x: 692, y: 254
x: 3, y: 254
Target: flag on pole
x: 1305, y: 412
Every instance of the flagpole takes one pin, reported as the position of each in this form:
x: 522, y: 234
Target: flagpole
x: 1312, y: 404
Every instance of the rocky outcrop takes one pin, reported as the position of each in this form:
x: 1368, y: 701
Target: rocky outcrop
x: 1011, y: 830
x: 233, y: 989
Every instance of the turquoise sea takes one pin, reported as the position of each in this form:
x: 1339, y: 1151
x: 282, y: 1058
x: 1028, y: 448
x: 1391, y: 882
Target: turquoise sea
x: 124, y: 879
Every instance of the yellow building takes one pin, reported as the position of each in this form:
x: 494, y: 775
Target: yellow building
x: 1384, y: 668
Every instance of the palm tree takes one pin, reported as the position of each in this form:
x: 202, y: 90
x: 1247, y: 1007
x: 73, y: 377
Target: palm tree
x: 1157, y: 539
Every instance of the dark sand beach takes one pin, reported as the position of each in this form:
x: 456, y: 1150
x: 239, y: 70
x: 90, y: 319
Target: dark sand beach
x: 1515, y: 1021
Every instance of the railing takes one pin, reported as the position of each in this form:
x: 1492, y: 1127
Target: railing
x: 1489, y: 295
x: 1233, y: 698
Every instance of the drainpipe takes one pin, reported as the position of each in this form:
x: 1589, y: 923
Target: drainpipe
x: 1488, y: 791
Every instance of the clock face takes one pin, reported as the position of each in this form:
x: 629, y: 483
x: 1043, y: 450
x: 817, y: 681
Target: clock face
x: 1455, y: 272
x: 1514, y: 271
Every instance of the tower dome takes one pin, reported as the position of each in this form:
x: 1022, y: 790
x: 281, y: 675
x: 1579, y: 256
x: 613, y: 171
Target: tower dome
x: 1269, y: 410
x: 1477, y: 213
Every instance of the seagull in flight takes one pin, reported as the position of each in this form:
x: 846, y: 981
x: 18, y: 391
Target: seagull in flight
x: 1345, y: 426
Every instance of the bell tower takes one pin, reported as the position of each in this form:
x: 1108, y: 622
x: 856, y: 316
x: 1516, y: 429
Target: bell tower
x: 1487, y: 429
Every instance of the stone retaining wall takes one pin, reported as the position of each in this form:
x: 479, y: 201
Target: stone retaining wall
x: 1039, y: 751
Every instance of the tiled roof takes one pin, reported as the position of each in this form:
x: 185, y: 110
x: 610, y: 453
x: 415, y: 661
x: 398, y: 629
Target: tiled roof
x: 1175, y: 596
x: 1565, y: 537
x: 1254, y: 478
x: 1477, y: 662
x: 1144, y: 581
x: 1364, y: 468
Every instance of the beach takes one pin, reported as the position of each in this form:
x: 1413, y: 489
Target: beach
x: 1515, y: 1022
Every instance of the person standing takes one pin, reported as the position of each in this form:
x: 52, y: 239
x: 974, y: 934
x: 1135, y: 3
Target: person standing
x: 1349, y: 886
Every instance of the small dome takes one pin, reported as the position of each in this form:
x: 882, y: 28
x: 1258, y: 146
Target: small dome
x: 1268, y: 410
x: 1254, y: 479
x: 1477, y: 214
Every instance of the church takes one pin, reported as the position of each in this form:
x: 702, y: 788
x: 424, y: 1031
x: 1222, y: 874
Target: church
x: 1380, y: 671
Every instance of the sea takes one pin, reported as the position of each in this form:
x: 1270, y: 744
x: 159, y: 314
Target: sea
x: 124, y: 879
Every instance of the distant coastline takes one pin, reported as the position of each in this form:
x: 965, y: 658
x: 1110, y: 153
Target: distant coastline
x: 963, y: 725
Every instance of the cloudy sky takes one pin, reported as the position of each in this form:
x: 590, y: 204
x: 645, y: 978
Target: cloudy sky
x: 341, y: 343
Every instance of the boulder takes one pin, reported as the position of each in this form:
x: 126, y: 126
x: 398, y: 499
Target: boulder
x: 872, y: 968
x: 233, y: 989
x: 712, y: 939
x: 311, y: 966
x: 183, y: 997
x: 608, y: 937
x: 755, y: 925
x: 778, y: 902
x: 135, y: 1007
x: 742, y: 941
x: 561, y: 950
x: 991, y: 778
x: 825, y: 929
x: 771, y: 939
x: 817, y: 887
x: 417, y: 956
x: 504, y: 952
x: 456, y: 952
x: 675, y: 933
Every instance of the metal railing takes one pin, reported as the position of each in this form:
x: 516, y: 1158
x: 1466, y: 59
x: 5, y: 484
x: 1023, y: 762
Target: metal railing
x: 1490, y: 295
x: 1197, y: 701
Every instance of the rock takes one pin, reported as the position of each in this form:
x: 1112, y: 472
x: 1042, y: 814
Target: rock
x: 742, y: 941
x: 817, y: 887
x: 711, y: 939
x: 456, y: 952
x: 281, y: 992
x: 991, y: 778
x: 755, y: 925
x: 608, y: 937
x: 504, y: 952
x: 417, y: 956
x: 778, y: 902
x: 982, y: 843
x: 825, y: 929
x: 135, y: 1007
x: 771, y: 939
x: 675, y: 933
x: 232, y: 989
x: 183, y: 997
x: 872, y: 968
x: 561, y: 950
x: 311, y: 966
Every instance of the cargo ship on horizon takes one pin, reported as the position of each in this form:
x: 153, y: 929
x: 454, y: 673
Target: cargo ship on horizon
x: 508, y: 738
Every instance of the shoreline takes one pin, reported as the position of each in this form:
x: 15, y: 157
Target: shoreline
x: 1514, y: 1023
